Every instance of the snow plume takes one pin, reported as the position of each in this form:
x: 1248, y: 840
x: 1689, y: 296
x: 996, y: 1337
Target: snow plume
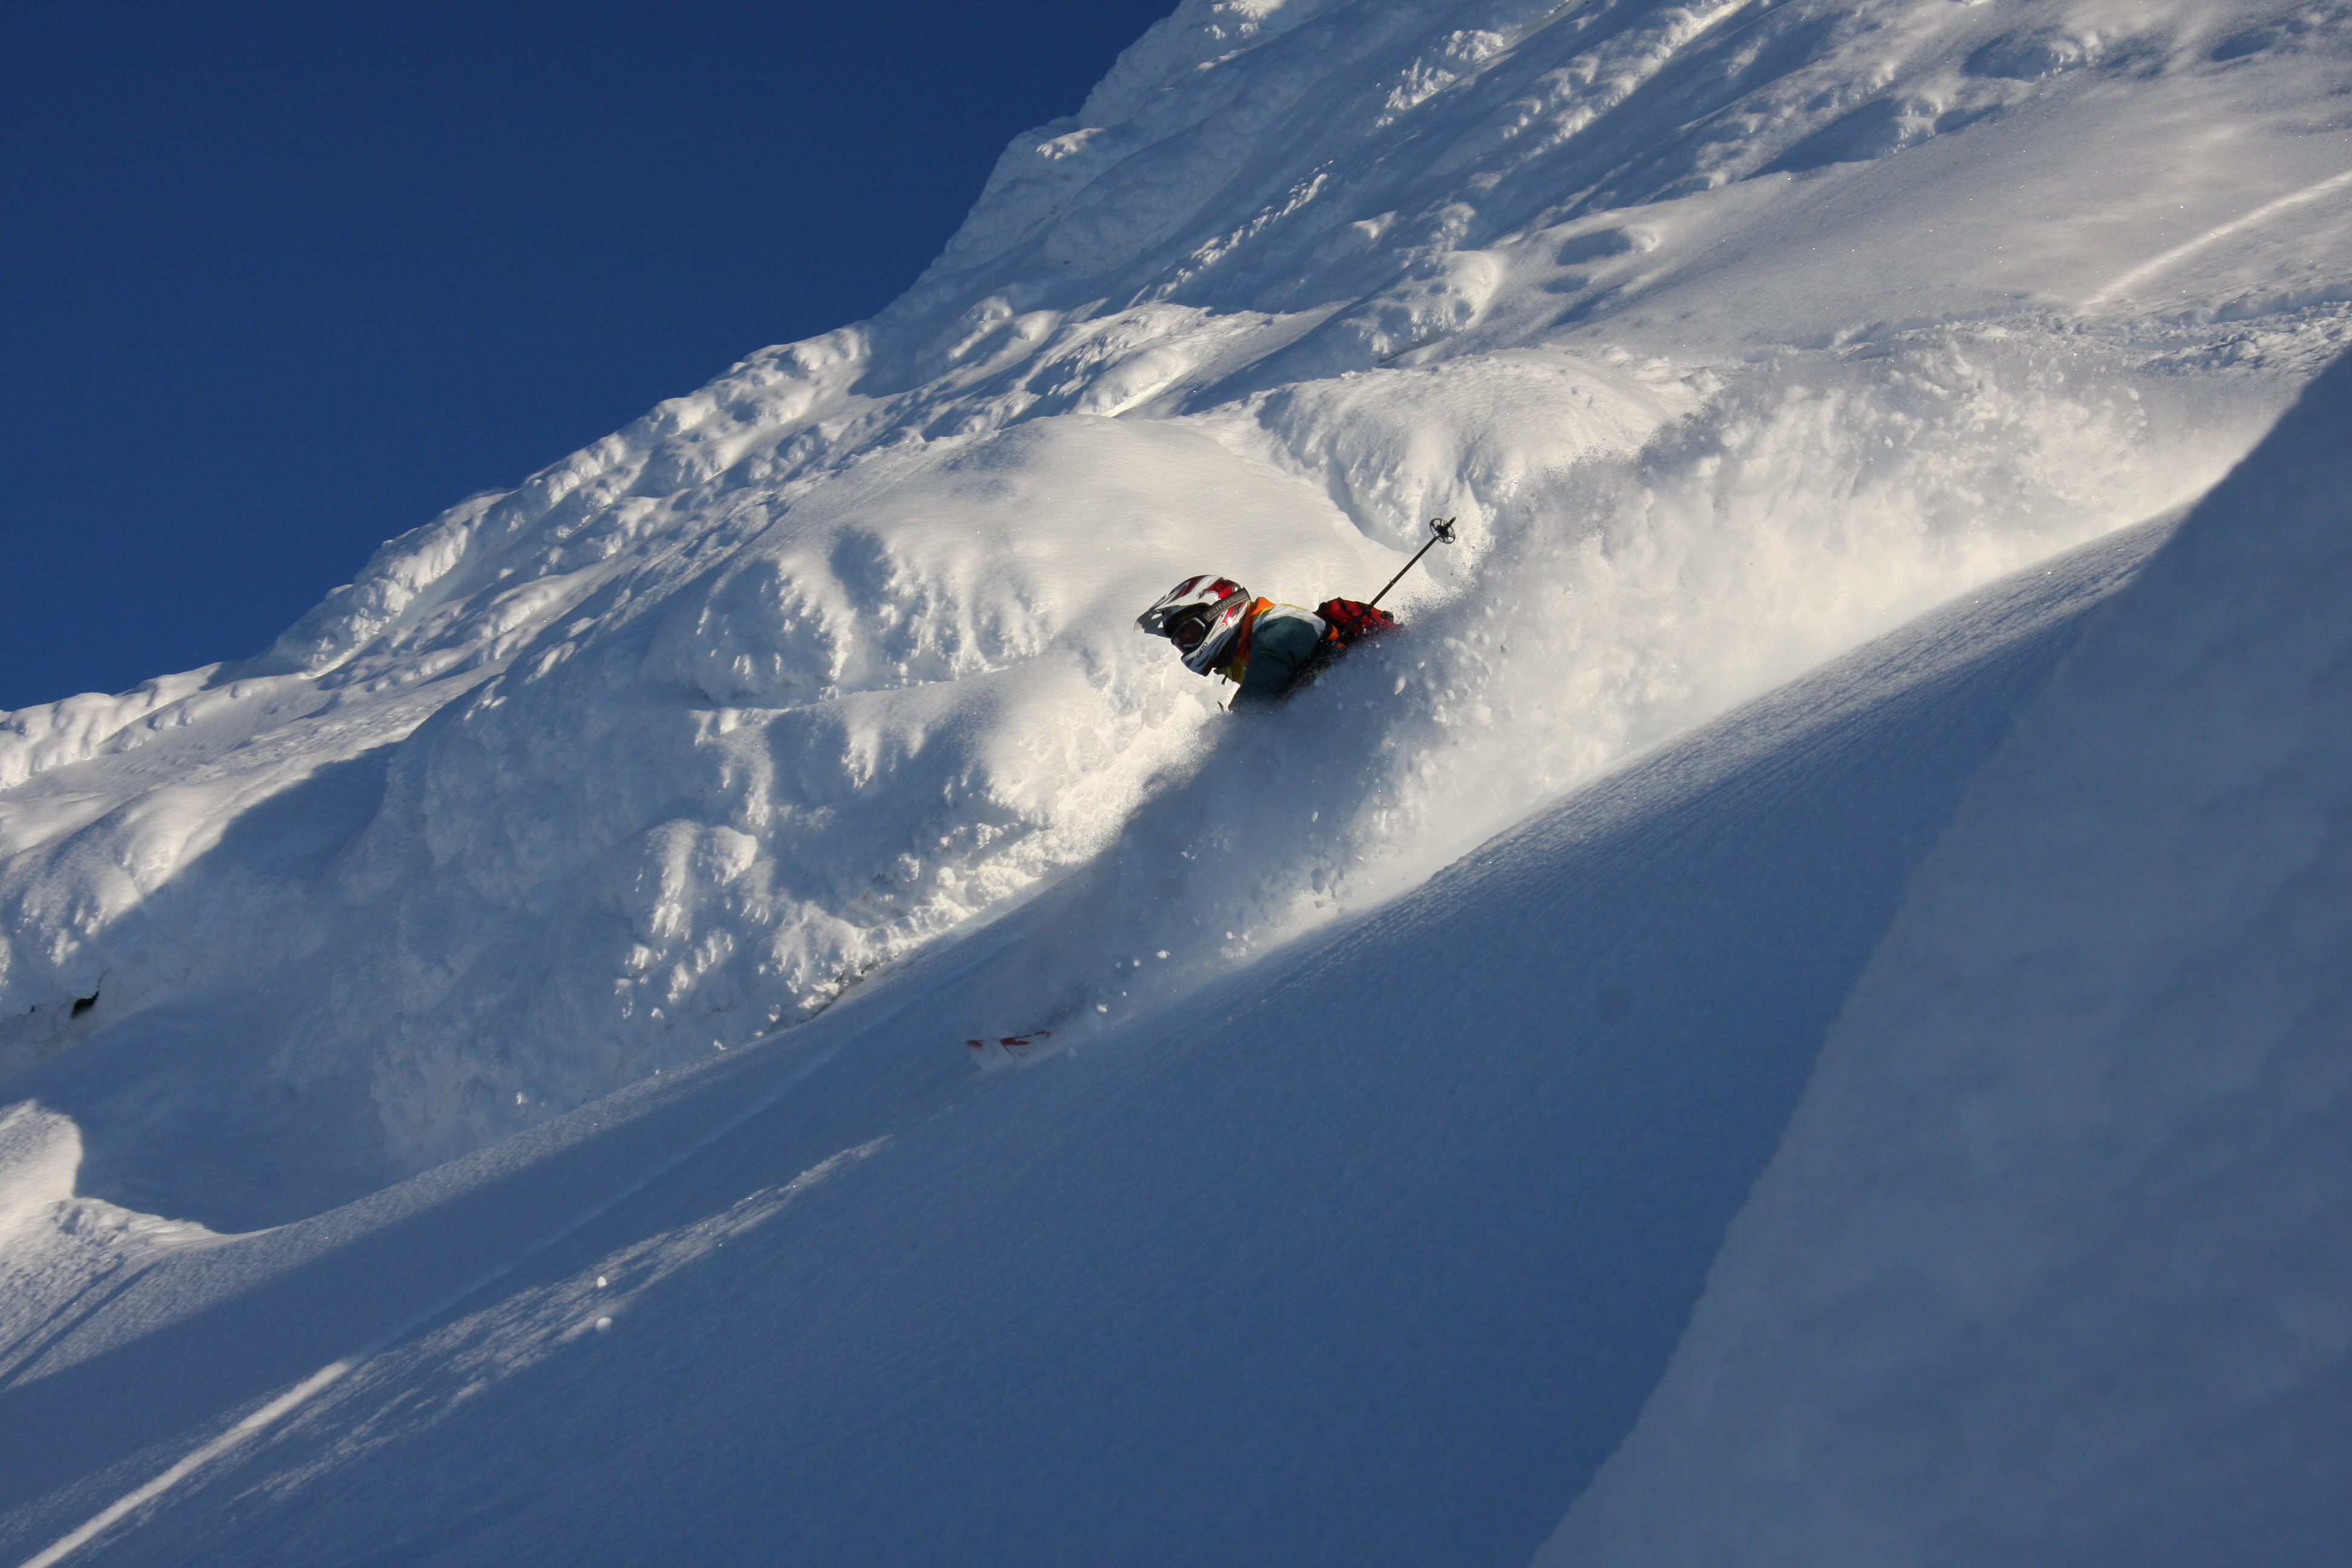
x: 1801, y: 511
x: 1733, y: 334
x: 1598, y: 609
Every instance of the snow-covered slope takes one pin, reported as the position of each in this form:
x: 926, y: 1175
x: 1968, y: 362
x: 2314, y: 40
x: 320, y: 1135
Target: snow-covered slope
x: 1734, y: 334
x: 1374, y: 1255
x: 1372, y: 1179
x: 2055, y: 1262
x: 1367, y: 1255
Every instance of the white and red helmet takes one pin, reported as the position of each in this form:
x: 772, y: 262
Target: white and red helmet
x: 1199, y: 615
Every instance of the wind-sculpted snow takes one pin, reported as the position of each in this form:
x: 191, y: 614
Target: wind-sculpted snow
x: 1734, y: 334
x: 2050, y: 1266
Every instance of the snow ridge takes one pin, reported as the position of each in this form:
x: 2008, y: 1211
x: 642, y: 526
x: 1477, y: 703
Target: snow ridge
x: 2050, y: 1267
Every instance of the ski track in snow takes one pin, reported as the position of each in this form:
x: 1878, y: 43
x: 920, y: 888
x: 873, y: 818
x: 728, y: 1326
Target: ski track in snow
x: 806, y: 715
x: 2254, y: 219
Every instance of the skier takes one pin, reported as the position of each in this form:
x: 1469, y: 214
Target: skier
x: 1265, y: 648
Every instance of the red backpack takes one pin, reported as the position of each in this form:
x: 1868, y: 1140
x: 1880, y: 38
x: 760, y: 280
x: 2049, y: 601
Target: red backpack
x: 1351, y: 622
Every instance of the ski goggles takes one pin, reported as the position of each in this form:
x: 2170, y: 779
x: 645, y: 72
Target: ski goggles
x: 1187, y: 629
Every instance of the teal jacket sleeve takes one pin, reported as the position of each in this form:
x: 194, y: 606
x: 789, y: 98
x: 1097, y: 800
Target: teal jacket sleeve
x: 1281, y: 647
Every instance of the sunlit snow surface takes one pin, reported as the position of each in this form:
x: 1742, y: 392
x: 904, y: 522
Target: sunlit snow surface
x: 810, y: 709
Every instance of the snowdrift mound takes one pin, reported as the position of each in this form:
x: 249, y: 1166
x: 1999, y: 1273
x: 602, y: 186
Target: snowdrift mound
x: 1367, y: 1254
x: 1735, y: 334
x: 2051, y: 1267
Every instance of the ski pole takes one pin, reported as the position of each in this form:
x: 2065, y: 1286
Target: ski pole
x: 1439, y: 528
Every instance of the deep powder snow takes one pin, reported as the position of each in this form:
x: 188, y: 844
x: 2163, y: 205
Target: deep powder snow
x: 563, y: 934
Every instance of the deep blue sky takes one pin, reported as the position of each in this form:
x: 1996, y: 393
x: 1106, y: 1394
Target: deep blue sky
x: 282, y: 280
